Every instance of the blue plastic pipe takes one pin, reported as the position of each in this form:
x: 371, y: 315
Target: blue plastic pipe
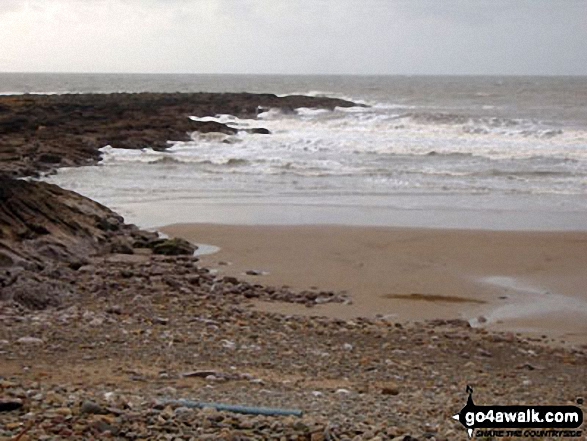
x: 268, y: 411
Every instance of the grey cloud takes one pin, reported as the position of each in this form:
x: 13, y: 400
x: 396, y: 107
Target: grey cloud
x: 303, y: 36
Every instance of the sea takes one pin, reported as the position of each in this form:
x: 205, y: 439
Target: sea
x: 465, y: 152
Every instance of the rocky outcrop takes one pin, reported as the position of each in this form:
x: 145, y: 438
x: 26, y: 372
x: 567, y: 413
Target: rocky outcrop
x: 46, y: 233
x: 50, y: 222
x: 39, y: 133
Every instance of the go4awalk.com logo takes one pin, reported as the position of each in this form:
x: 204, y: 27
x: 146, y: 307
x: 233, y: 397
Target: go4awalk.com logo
x: 519, y: 421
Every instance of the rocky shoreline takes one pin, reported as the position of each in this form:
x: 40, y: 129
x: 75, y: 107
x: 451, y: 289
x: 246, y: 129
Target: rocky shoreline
x: 39, y: 133
x: 102, y: 322
x: 42, y: 225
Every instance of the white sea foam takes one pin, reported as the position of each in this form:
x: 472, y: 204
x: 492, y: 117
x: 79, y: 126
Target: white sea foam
x: 395, y: 155
x: 309, y: 112
x: 313, y: 93
x: 223, y: 119
x: 526, y: 300
x: 270, y: 114
x: 392, y: 106
x: 371, y: 142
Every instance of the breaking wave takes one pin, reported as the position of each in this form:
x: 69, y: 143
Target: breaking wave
x: 387, y: 146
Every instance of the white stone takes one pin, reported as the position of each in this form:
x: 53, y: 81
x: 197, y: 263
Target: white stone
x: 30, y: 341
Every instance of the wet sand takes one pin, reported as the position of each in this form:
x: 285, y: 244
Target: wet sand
x: 515, y: 281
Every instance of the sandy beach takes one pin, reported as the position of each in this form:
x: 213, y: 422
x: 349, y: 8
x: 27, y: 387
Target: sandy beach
x: 107, y: 329
x: 517, y: 281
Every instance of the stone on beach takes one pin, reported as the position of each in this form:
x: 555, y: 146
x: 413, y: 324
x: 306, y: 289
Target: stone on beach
x: 174, y: 247
x: 30, y: 341
x: 92, y: 408
x: 10, y: 406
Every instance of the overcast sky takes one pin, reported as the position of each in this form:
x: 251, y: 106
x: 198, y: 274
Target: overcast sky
x: 295, y: 36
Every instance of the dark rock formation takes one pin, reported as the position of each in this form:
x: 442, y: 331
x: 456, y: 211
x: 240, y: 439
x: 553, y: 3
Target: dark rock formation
x: 39, y: 133
x: 47, y: 233
x: 174, y: 247
x: 52, y: 220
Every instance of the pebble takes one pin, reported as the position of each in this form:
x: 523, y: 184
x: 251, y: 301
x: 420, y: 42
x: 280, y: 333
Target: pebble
x: 91, y: 408
x: 342, y: 391
x: 160, y: 321
x: 254, y: 273
x: 30, y: 341
x: 400, y: 380
x: 10, y: 406
x: 390, y: 389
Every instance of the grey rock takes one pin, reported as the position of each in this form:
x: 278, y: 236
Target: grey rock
x: 92, y: 408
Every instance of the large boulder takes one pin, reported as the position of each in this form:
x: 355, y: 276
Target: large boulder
x: 174, y: 247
